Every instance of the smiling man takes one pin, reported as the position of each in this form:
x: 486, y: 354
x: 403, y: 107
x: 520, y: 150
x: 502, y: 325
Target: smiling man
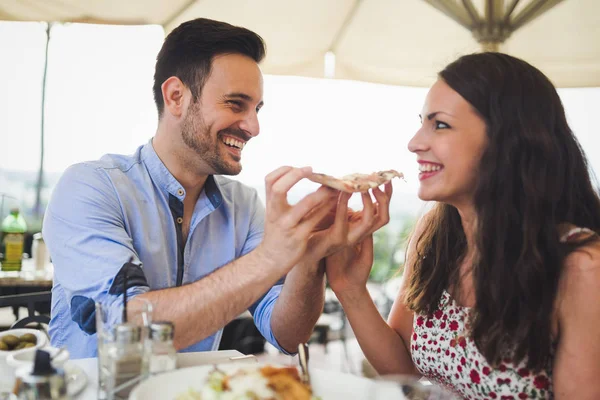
x: 199, y: 246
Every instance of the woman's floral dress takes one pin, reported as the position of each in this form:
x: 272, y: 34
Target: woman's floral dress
x: 443, y: 352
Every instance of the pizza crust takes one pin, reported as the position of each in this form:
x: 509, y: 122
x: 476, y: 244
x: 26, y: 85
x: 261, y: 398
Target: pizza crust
x: 356, y: 182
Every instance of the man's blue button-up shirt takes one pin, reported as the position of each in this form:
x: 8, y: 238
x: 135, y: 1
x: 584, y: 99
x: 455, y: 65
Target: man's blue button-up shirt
x: 121, y: 215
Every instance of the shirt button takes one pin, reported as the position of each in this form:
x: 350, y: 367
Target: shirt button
x: 180, y: 192
x: 179, y: 220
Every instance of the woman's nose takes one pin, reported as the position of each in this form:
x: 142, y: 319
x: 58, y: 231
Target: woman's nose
x: 417, y: 143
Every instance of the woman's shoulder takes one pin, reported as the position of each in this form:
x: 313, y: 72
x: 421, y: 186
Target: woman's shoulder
x: 586, y: 254
x: 583, y: 262
x: 580, y: 281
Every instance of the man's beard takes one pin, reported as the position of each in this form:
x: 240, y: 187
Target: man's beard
x: 196, y: 135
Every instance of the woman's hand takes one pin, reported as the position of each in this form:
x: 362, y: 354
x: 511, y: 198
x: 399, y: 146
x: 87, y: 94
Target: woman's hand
x: 341, y: 227
x: 348, y: 269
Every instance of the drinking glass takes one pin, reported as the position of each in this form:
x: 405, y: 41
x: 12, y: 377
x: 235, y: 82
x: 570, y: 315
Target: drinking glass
x: 140, y: 314
x: 407, y: 387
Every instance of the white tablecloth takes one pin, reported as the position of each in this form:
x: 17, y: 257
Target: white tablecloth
x: 90, y: 366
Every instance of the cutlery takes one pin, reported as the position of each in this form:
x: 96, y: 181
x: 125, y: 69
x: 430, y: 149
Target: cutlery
x: 303, y: 358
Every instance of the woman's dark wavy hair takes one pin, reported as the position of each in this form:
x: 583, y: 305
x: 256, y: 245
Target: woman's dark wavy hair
x: 532, y: 177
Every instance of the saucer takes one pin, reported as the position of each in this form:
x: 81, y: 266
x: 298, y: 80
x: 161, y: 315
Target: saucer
x: 76, y: 379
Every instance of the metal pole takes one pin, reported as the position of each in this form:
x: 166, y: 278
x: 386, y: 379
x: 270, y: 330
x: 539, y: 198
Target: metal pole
x: 490, y: 46
x: 37, y: 210
x: 2, y: 197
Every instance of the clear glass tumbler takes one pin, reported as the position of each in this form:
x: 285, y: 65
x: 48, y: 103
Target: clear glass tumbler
x: 140, y: 314
x: 407, y: 387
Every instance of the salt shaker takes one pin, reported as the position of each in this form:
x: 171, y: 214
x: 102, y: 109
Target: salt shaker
x: 163, y: 356
x: 127, y: 361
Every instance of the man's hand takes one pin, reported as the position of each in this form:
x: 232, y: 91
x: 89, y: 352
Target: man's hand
x: 350, y: 227
x: 289, y: 228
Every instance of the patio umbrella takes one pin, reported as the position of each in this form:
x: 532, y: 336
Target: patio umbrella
x: 402, y: 42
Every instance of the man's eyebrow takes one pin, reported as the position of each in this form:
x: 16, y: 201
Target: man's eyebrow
x: 242, y: 96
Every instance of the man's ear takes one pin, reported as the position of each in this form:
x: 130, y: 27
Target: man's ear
x: 175, y: 95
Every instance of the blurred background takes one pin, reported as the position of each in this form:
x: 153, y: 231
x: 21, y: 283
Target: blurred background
x: 345, y: 81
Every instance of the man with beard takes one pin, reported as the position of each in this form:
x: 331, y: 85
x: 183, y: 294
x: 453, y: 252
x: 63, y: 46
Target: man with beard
x: 166, y: 224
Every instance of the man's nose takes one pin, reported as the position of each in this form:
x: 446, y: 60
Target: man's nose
x: 250, y: 124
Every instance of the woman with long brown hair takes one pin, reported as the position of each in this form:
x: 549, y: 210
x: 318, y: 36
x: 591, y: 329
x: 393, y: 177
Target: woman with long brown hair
x: 501, y: 285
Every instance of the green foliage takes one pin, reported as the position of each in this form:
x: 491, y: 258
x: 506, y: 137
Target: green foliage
x: 389, y: 246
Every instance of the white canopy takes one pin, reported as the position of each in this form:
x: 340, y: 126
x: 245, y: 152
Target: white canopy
x: 402, y: 42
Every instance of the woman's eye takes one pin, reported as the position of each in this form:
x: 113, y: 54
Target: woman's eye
x: 441, y: 125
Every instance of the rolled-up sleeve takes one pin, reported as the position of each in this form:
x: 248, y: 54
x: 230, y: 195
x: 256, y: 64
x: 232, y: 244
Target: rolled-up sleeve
x: 262, y: 309
x: 256, y: 226
x: 90, y: 247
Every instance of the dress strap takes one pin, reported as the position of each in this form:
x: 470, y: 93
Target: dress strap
x: 571, y: 233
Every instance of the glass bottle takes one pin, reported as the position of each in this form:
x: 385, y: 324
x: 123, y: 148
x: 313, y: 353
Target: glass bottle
x: 13, y: 230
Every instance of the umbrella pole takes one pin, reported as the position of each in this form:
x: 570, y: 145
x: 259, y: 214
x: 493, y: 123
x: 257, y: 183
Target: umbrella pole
x: 40, y: 179
x: 4, y: 196
x: 490, y: 46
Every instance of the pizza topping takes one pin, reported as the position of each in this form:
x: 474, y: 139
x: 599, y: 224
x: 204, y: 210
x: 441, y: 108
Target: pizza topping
x: 256, y: 383
x: 356, y: 182
x: 355, y: 177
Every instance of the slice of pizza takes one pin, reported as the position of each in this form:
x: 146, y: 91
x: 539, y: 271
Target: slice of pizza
x: 356, y: 182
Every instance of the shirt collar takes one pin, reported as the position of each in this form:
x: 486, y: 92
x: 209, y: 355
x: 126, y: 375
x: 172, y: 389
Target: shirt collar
x: 167, y: 182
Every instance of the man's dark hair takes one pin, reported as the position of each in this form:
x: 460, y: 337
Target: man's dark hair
x: 189, y: 49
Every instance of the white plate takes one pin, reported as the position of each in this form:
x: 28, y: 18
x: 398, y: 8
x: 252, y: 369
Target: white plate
x: 326, y: 384
x: 76, y: 382
x: 76, y: 379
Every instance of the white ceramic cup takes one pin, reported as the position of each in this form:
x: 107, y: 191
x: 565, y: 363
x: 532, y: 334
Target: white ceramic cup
x: 26, y: 358
x: 7, y: 373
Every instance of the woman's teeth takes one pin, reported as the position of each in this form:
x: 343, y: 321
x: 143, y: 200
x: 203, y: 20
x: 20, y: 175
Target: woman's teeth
x: 429, y: 167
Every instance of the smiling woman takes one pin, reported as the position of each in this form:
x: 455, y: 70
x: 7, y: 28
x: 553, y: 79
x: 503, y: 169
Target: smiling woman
x: 502, y: 276
x: 511, y: 268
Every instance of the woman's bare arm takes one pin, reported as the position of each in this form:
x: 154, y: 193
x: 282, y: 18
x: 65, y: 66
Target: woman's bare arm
x: 577, y: 361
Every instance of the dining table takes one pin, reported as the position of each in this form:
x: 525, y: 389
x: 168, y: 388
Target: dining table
x: 29, y: 277
x: 89, y: 366
x: 29, y: 288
